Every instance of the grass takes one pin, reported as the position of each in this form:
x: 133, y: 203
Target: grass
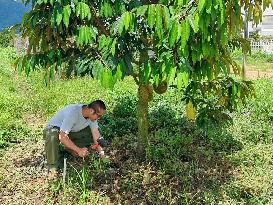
x: 258, y: 60
x: 260, y: 65
x: 232, y: 165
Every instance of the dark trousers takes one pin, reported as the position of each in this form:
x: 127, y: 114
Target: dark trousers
x: 52, y: 143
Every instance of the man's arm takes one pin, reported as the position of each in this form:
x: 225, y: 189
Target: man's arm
x: 63, y: 137
x: 96, y: 136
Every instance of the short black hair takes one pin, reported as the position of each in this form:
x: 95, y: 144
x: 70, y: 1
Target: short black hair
x: 96, y: 105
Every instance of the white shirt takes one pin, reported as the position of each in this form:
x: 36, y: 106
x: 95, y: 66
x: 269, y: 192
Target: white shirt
x: 70, y: 119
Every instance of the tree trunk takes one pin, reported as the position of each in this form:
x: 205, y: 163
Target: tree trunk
x: 244, y: 67
x: 244, y: 54
x: 145, y: 93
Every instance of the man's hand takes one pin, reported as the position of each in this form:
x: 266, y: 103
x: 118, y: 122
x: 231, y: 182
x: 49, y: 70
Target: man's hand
x: 101, y: 153
x: 83, y: 152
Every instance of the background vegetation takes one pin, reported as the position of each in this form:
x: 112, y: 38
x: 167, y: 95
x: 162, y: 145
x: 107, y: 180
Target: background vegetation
x: 227, y: 165
x: 6, y: 38
x: 257, y: 60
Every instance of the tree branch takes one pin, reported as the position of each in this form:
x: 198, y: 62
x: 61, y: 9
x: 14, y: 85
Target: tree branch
x: 99, y: 23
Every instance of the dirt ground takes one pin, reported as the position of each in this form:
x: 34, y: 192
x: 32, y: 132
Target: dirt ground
x: 23, y: 176
x: 255, y: 74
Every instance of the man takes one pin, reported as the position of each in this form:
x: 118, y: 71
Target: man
x: 74, y: 126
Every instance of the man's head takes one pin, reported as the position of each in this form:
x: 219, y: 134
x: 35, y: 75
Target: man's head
x: 97, y: 109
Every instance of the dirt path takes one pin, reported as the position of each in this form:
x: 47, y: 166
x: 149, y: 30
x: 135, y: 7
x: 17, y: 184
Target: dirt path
x: 22, y: 175
x: 255, y: 74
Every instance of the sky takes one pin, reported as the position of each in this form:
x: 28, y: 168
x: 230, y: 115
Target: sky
x: 11, y: 12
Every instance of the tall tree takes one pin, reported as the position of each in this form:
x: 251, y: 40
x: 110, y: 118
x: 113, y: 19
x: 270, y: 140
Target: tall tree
x: 158, y: 42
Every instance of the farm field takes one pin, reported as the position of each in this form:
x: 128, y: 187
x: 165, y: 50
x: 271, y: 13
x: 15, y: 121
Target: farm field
x: 231, y: 165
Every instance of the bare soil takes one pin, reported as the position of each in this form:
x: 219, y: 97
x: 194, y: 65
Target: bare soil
x: 255, y: 74
x: 23, y: 176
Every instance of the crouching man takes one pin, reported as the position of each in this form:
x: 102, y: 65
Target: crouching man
x: 76, y: 127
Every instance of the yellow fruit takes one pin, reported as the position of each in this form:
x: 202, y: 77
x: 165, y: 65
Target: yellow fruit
x: 190, y: 111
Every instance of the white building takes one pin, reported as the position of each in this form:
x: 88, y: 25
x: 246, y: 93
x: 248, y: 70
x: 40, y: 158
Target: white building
x: 265, y: 28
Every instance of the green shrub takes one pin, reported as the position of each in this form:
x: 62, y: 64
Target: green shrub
x: 6, y: 37
x: 122, y: 119
x: 13, y: 101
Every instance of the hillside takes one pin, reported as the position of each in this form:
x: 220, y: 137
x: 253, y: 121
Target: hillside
x: 11, y: 12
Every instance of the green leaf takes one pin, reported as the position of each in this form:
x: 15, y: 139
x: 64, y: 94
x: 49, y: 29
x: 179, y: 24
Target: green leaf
x: 179, y: 30
x: 222, y: 17
x: 133, y: 22
x: 102, y: 40
x: 59, y: 17
x: 213, y: 15
x: 171, y: 75
x: 51, y: 56
x: 52, y: 73
x: 151, y: 15
x: 173, y: 34
x: 185, y: 78
x: 156, y: 79
x: 140, y: 11
x: 179, y: 81
x: 46, y: 78
x: 85, y: 36
x: 66, y: 15
x: 39, y: 2
x: 106, y: 9
x: 208, y: 7
x: 194, y: 56
x: 107, y: 80
x: 158, y: 27
x: 209, y: 73
x: 224, y: 37
x: 56, y: 18
x: 83, y: 11
x: 201, y: 5
x: 119, y: 73
x: 166, y: 17
x: 147, y: 72
x: 185, y: 33
x: 126, y: 20
x: 123, y: 67
x: 120, y: 25
x: 113, y: 47
x: 194, y: 22
x: 206, y: 48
